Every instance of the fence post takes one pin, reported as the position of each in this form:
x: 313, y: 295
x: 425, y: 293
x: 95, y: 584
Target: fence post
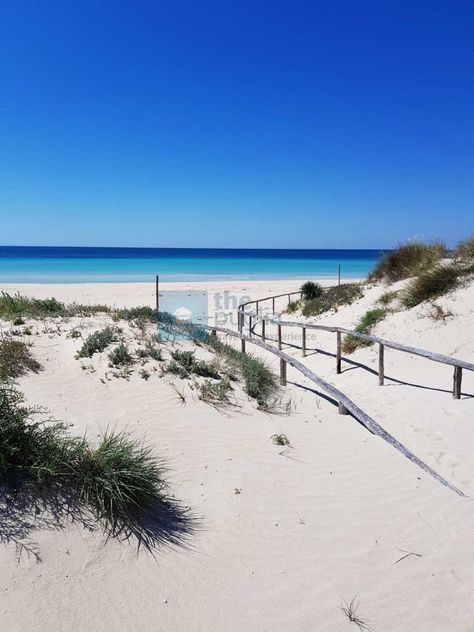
x: 256, y: 308
x: 240, y: 320
x: 273, y: 305
x: 303, y: 342
x: 242, y: 345
x: 381, y: 364
x: 250, y: 326
x: 279, y: 337
x: 289, y: 299
x: 457, y: 380
x: 341, y: 409
x: 338, y: 353
x: 283, y: 372
x: 263, y: 329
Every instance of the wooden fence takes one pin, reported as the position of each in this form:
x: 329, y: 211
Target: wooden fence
x: 254, y: 317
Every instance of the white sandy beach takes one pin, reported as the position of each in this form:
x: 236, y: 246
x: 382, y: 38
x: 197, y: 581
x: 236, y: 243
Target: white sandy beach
x: 280, y: 536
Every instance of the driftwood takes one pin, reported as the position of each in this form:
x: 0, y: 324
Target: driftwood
x: 346, y: 405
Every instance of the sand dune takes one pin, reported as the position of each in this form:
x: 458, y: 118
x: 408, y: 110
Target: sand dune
x: 278, y: 537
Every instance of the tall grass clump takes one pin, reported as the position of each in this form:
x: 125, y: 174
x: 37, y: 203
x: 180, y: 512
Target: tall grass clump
x: 408, y: 260
x: 364, y: 326
x: 432, y: 283
x: 16, y: 359
x: 19, y: 306
x: 465, y: 249
x: 117, y: 482
x: 97, y: 342
x: 311, y: 290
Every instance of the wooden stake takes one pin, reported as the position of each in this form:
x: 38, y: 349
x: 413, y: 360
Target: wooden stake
x: 242, y: 345
x: 283, y: 372
x: 256, y: 308
x: 457, y: 380
x: 338, y: 352
x: 250, y: 326
x: 263, y: 329
x: 381, y: 365
x: 303, y: 342
x: 273, y: 305
x: 279, y: 337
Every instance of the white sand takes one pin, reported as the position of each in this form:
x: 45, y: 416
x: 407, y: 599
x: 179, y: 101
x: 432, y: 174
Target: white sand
x: 325, y: 521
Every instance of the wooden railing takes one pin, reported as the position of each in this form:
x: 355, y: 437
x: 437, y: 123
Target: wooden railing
x: 458, y: 365
x: 345, y: 404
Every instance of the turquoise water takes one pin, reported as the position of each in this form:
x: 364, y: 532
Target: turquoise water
x: 79, y: 265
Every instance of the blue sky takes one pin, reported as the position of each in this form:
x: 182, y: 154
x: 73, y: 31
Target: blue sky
x: 236, y: 124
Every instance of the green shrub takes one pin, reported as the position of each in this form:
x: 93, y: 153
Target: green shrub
x: 142, y: 313
x: 311, y: 290
x: 280, y: 439
x: 293, y: 307
x: 215, y: 392
x: 16, y: 359
x: 186, y: 363
x: 150, y: 351
x: 120, y: 357
x: 408, y: 260
x: 465, y: 249
x: 364, y: 326
x: 333, y: 297
x: 97, y: 342
x: 432, y: 284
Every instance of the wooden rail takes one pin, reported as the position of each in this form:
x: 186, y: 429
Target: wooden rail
x: 345, y: 405
x: 458, y: 365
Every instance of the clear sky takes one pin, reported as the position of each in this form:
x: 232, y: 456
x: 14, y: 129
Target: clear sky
x: 236, y: 123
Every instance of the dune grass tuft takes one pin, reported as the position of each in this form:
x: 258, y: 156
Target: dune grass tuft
x: 364, y: 326
x: 408, y: 260
x: 120, y: 356
x: 16, y: 359
x: 117, y: 482
x: 465, y: 249
x: 432, y: 283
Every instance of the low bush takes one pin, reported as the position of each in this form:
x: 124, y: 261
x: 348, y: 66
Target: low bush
x: 142, y: 313
x: 97, y: 342
x: 408, y: 260
x: 16, y: 359
x: 333, y: 297
x: 387, y: 298
x: 432, y: 283
x: 185, y: 363
x: 120, y: 357
x: 150, y: 351
x: 364, y: 326
x: 293, y: 306
x: 280, y: 439
x: 311, y: 290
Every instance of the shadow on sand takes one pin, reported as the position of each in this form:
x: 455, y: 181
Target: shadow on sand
x: 25, y: 511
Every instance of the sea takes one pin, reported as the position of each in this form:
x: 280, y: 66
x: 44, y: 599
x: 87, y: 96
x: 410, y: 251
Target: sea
x: 44, y: 264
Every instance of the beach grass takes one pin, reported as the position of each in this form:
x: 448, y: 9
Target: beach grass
x: 408, y: 260
x: 16, y: 359
x: 364, y: 326
x: 332, y: 298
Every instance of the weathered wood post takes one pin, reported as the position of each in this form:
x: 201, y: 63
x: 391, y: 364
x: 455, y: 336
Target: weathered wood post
x: 256, y: 308
x: 240, y: 320
x: 273, y: 304
x: 263, y: 329
x: 279, y: 337
x: 338, y: 352
x: 381, y: 364
x: 242, y: 345
x: 283, y: 372
x: 341, y: 409
x: 289, y: 299
x: 457, y: 380
x: 303, y: 341
x: 250, y: 326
